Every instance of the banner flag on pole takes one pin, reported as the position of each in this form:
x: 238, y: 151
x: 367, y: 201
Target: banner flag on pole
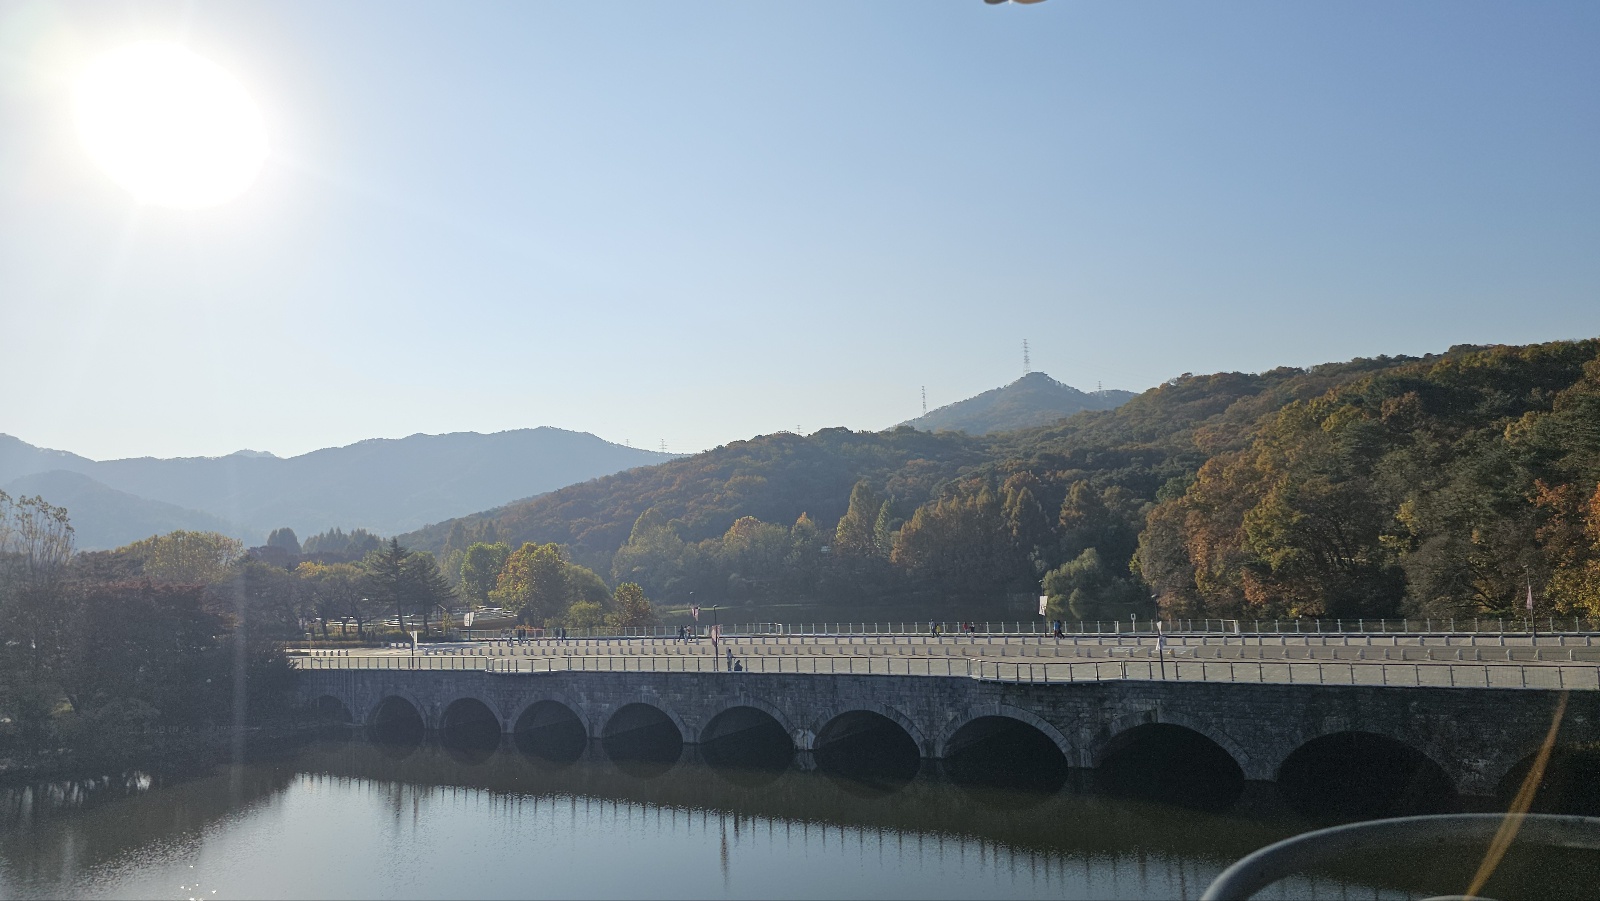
x: 1044, y: 603
x: 1530, y: 597
x: 694, y: 612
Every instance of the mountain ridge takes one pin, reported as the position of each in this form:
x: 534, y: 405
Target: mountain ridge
x: 385, y: 485
x: 1036, y: 399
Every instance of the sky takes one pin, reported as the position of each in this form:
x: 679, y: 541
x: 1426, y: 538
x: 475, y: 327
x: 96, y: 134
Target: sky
x: 685, y: 224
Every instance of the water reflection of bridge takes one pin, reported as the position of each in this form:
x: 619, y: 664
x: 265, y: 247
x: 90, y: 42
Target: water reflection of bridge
x: 1078, y: 837
x: 923, y: 806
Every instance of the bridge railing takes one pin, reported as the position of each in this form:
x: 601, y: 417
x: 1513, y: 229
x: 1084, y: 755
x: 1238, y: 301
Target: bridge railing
x: 1479, y: 625
x: 1419, y: 674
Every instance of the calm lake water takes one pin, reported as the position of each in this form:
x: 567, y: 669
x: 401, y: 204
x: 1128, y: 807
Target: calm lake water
x: 356, y: 818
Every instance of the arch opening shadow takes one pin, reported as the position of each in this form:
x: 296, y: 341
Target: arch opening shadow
x: 747, y: 746
x: 1361, y: 774
x: 1170, y: 764
x: 1570, y: 784
x: 550, y: 731
x: 867, y: 753
x: 470, y: 731
x: 396, y: 728
x: 330, y: 711
x: 644, y: 737
x: 1006, y: 755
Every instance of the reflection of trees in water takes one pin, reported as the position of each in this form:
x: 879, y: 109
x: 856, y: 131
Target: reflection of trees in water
x: 55, y: 832
x: 814, y: 802
x: 1071, y: 837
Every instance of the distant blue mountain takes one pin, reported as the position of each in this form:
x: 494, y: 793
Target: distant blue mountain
x: 105, y: 517
x: 384, y: 485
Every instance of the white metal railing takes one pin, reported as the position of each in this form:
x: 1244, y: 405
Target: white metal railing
x: 1549, y: 625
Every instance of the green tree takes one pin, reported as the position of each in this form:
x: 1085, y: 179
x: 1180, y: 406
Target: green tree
x: 584, y: 615
x: 961, y: 543
x: 334, y: 591
x: 755, y: 551
x: 653, y: 556
x: 264, y: 599
x: 584, y: 584
x: 426, y: 586
x: 533, y: 585
x: 883, y: 532
x: 480, y: 571
x: 198, y: 558
x: 285, y: 538
x: 855, y: 535
x: 387, y: 580
x: 634, y: 610
x: 1084, y: 589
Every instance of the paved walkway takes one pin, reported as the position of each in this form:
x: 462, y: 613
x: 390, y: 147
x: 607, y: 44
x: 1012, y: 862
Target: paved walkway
x: 1465, y: 660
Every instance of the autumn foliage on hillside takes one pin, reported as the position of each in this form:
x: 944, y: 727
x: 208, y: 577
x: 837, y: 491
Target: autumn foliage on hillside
x: 1447, y: 484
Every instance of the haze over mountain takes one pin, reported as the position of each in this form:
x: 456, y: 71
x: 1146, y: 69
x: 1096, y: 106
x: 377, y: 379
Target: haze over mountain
x: 1035, y: 399
x: 384, y: 485
x: 105, y: 517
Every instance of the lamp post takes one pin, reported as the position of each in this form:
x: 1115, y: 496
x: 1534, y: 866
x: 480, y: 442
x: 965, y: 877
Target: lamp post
x: 716, y: 640
x: 1161, y: 648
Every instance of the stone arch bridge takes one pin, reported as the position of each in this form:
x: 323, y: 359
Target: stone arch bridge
x: 1475, y: 736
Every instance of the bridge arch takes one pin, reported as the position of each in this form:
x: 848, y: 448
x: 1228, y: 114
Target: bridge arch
x: 371, y: 717
x: 330, y: 708
x: 1569, y: 784
x: 643, y: 738
x: 554, y: 697
x: 707, y: 733
x: 1170, y: 762
x: 451, y: 701
x: 608, y: 714
x: 826, y: 717
x: 1364, y: 773
x: 943, y: 748
x: 1120, y: 726
x: 469, y: 729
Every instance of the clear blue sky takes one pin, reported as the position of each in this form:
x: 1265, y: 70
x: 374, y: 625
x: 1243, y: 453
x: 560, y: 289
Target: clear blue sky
x: 703, y: 221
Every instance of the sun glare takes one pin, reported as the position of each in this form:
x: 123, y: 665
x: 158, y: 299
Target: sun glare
x: 170, y: 126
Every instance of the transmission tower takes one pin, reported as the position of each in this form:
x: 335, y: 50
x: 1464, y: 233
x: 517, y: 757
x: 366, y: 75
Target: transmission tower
x: 1027, y: 366
x: 924, y: 400
x: 663, y: 445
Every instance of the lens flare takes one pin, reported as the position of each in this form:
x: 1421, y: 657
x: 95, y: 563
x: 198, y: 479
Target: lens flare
x: 170, y: 126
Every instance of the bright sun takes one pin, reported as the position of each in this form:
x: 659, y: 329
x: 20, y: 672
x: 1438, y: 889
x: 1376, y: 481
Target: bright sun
x: 170, y: 126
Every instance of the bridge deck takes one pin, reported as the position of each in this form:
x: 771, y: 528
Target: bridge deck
x: 1482, y: 661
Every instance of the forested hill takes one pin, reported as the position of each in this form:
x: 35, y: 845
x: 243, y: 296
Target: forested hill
x: 774, y: 478
x: 1035, y: 399
x: 1363, y: 488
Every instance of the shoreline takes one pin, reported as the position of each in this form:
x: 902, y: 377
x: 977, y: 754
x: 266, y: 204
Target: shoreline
x: 163, y: 753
